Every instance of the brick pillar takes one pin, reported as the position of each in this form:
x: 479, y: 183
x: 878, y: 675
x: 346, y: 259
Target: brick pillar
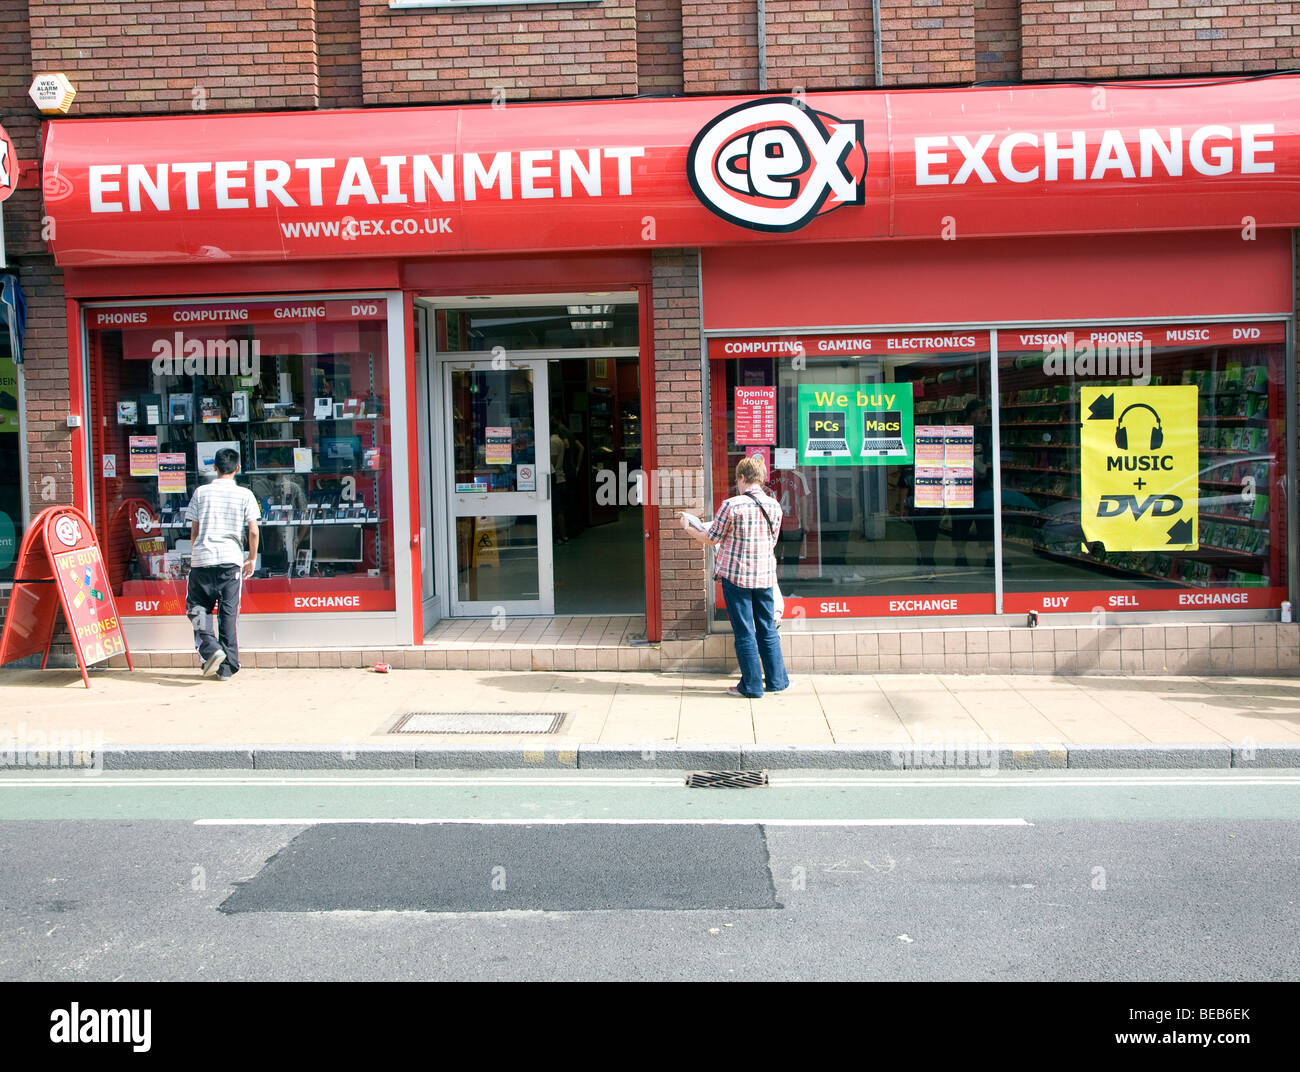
x: 48, y: 447
x: 659, y: 47
x: 45, y: 371
x: 927, y: 42
x: 819, y: 46
x: 997, y: 41
x: 680, y: 425
x: 719, y: 46
x: 338, y: 52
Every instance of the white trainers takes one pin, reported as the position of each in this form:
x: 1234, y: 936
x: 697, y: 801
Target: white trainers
x: 213, y: 662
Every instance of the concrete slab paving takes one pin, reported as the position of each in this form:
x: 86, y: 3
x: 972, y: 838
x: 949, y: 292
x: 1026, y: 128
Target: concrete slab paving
x: 173, y: 719
x: 1237, y: 726
x: 1159, y: 719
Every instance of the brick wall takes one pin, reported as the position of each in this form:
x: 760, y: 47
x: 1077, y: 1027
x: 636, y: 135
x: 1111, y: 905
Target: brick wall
x: 819, y: 46
x: 442, y: 55
x: 15, y: 59
x: 997, y: 40
x: 45, y: 373
x: 1126, y: 38
x: 23, y: 209
x: 45, y: 368
x: 680, y: 424
x: 338, y: 45
x: 927, y: 41
x: 171, y: 55
x: 179, y: 55
x: 659, y: 46
x: 720, y: 46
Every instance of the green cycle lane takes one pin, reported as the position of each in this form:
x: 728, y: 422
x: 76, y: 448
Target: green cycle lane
x: 613, y: 796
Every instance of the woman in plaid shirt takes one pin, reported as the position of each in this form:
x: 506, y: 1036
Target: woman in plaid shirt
x: 744, y: 534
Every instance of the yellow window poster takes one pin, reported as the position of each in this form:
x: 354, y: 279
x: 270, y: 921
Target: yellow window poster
x: 1139, y: 467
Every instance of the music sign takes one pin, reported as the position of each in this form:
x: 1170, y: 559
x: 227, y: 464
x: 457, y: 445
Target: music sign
x: 1140, y: 466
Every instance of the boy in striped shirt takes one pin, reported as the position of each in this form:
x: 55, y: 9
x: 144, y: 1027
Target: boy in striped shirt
x: 218, y: 514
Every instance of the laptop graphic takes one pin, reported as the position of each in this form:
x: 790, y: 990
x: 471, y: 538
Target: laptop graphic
x: 826, y: 435
x: 881, y: 434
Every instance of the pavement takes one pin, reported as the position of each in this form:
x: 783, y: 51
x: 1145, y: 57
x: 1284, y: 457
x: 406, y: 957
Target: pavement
x: 340, y: 719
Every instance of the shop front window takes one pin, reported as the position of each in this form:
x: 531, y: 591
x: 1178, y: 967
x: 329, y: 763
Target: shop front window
x: 1139, y: 468
x: 879, y: 449
x: 1143, y: 468
x: 299, y: 389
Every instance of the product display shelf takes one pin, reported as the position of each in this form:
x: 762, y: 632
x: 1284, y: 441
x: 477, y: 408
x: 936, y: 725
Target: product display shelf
x: 229, y: 394
x: 1098, y: 563
x: 1264, y: 387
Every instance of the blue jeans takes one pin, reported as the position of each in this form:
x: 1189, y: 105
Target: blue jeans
x: 758, y: 645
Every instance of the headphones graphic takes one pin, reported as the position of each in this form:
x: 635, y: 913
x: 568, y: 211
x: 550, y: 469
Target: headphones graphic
x: 1121, y: 433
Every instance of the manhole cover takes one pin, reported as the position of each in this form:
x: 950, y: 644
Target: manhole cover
x: 730, y: 779
x: 478, y: 722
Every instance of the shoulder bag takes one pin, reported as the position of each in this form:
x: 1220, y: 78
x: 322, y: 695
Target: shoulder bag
x: 778, y: 599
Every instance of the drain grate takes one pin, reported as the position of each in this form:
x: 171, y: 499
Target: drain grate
x: 478, y: 722
x: 728, y: 779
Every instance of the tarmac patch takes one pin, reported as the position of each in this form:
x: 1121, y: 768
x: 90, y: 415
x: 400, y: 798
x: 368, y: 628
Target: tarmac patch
x: 466, y: 867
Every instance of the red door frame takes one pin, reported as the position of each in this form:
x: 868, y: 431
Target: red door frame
x: 649, y: 464
x: 413, y: 472
x: 581, y: 273
x: 441, y: 278
x: 77, y: 392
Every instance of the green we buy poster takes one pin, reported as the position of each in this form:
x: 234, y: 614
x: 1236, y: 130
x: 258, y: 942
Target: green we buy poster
x: 855, y: 424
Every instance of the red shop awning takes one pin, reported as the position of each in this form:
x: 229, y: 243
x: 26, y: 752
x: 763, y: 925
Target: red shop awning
x: 1070, y: 159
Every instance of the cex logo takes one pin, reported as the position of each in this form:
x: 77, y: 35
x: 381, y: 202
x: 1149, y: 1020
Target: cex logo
x: 54, y: 187
x: 143, y: 520
x: 775, y: 165
x: 67, y: 531
x: 8, y: 166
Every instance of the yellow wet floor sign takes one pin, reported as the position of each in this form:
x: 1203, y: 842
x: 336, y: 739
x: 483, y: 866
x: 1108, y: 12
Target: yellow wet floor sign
x: 1139, y: 463
x: 485, y: 542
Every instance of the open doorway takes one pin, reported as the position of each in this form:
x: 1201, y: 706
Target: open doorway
x: 538, y: 424
x: 595, y: 446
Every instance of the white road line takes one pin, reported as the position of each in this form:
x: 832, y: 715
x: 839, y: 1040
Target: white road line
x: 93, y: 781
x: 1001, y: 782
x: 623, y: 822
x: 1025, y: 780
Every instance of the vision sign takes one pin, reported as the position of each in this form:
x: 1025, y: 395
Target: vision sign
x: 675, y: 173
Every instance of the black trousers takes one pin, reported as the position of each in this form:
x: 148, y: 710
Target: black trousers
x: 219, y: 587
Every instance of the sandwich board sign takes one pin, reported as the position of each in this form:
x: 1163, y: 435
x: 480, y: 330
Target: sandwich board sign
x: 60, y: 567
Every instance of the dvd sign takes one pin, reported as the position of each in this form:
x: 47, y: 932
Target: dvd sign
x: 776, y: 165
